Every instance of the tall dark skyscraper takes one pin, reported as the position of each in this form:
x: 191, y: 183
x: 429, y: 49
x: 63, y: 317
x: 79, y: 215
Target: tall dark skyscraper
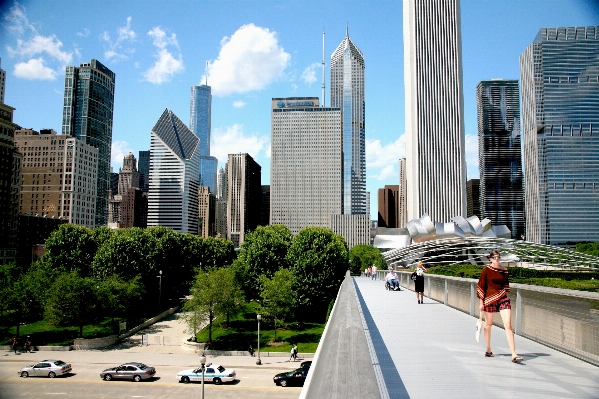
x: 560, y: 133
x: 499, y: 156
x: 144, y: 170
x: 348, y: 93
x: 200, y: 124
x: 87, y: 115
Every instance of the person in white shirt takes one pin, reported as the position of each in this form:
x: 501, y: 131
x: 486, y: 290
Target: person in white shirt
x: 374, y: 272
x: 391, y: 278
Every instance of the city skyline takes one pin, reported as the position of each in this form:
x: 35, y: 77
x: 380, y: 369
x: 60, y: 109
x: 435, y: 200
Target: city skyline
x: 134, y: 43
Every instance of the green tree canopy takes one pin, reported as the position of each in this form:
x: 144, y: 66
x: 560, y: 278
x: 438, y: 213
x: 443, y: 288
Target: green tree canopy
x: 319, y: 261
x: 71, y: 247
x: 278, y: 296
x: 127, y: 253
x: 119, y: 298
x: 589, y: 248
x: 263, y: 252
x: 363, y: 256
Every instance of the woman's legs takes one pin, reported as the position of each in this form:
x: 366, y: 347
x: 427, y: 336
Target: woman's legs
x: 417, y: 296
x: 506, y: 316
x: 488, y: 325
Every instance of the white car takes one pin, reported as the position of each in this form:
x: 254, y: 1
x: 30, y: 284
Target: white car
x: 212, y: 373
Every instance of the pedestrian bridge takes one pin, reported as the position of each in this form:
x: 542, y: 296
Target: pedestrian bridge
x: 383, y: 344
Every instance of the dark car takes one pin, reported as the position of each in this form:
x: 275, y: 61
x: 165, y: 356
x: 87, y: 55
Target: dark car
x: 129, y: 371
x: 306, y: 365
x: 293, y: 378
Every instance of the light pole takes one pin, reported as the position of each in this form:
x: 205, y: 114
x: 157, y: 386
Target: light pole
x: 203, y: 362
x: 259, y: 317
x: 159, y: 290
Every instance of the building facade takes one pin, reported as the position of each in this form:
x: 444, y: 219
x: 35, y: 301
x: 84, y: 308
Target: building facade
x: 560, y: 134
x: 2, y: 83
x: 59, y: 176
x: 348, y: 94
x: 128, y: 206
x: 355, y: 229
x: 402, y: 211
x: 499, y: 154
x: 435, y: 162
x: 306, y: 163
x: 200, y: 124
x: 388, y: 204
x: 174, y: 173
x: 473, y: 198
x: 10, y: 164
x: 143, y: 166
x: 265, y: 206
x: 221, y: 203
x: 244, y: 196
x: 206, y: 207
x: 87, y: 115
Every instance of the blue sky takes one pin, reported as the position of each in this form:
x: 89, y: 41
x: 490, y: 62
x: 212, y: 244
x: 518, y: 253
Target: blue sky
x: 256, y: 50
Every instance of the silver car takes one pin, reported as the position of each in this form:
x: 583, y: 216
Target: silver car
x: 129, y: 371
x: 46, y: 368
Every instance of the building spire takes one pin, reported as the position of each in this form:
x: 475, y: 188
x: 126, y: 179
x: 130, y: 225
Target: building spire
x: 323, y: 99
x: 206, y: 73
x: 347, y: 29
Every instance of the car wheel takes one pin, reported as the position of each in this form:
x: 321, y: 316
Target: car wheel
x: 107, y: 377
x: 24, y: 374
x: 51, y: 374
x: 185, y: 380
x: 217, y: 381
x: 136, y: 378
x: 283, y: 383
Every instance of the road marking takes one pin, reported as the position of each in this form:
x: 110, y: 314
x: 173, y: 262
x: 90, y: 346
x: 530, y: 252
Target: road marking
x: 56, y: 393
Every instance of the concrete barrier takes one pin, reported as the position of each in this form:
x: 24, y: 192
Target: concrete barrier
x: 94, y: 343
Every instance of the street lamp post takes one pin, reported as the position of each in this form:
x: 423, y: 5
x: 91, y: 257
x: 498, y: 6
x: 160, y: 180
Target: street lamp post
x: 258, y: 362
x: 203, y: 362
x: 159, y: 290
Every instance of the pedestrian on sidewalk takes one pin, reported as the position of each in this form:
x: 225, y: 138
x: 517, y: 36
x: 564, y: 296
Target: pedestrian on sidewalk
x: 251, y: 351
x: 14, y: 343
x: 492, y: 290
x: 418, y: 277
x: 293, y: 353
x: 374, y: 272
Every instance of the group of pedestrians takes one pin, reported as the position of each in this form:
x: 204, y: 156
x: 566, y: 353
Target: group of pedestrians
x: 371, y: 272
x: 15, y: 344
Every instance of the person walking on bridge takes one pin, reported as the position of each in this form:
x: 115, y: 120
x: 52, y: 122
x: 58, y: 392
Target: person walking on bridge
x: 493, y: 287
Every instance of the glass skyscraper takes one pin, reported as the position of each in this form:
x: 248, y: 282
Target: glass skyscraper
x: 347, y: 93
x: 499, y: 154
x: 560, y: 131
x: 144, y: 170
x: 87, y: 115
x: 200, y: 124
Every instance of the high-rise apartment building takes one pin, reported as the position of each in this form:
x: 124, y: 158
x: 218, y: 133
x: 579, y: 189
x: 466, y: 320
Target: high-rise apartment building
x: 402, y: 211
x: 348, y: 94
x: 58, y: 177
x: 473, y: 198
x: 388, y: 203
x: 174, y: 172
x: 306, y: 163
x: 560, y: 133
x: 435, y: 163
x: 499, y: 154
x: 200, y: 124
x: 221, y: 203
x: 206, y: 207
x: 10, y: 165
x: 143, y: 166
x: 244, y: 195
x: 2, y: 83
x: 87, y: 115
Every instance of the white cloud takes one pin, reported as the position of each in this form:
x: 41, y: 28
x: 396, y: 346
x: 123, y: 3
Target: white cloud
x: 382, y: 161
x: 118, y: 151
x: 239, y: 104
x: 115, y: 49
x: 16, y: 21
x: 39, y: 45
x: 309, y: 74
x: 249, y: 60
x: 471, y: 148
x: 34, y: 69
x: 166, y: 64
x: 85, y: 33
x: 233, y: 140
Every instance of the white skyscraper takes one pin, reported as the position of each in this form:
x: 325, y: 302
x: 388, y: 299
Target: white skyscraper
x: 347, y: 93
x: 174, y: 174
x: 435, y: 161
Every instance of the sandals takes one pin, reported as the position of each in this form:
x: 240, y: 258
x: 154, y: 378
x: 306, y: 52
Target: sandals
x: 517, y: 359
x: 489, y: 354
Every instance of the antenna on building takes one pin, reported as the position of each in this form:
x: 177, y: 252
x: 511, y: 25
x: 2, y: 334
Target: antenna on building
x: 206, y: 73
x: 323, y: 99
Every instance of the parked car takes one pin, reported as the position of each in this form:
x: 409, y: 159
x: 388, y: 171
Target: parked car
x: 46, y: 368
x: 129, y: 371
x: 292, y: 378
x: 213, y: 373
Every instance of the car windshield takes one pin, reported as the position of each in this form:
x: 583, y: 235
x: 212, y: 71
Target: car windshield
x: 59, y: 363
x: 221, y: 369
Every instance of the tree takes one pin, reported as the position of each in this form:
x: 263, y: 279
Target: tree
x: 589, y: 248
x: 118, y: 297
x: 18, y: 303
x: 71, y: 247
x: 263, y: 252
x: 363, y: 256
x: 319, y: 261
x: 127, y: 253
x: 278, y: 295
x: 72, y: 301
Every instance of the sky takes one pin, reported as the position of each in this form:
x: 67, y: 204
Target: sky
x: 256, y: 51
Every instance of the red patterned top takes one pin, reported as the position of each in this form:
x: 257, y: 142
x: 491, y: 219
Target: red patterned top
x: 493, y: 285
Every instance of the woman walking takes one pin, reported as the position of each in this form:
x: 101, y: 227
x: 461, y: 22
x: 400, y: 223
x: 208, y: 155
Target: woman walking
x: 493, y: 286
x: 418, y: 277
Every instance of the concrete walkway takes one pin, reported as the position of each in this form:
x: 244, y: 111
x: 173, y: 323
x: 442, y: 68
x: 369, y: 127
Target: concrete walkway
x: 430, y: 351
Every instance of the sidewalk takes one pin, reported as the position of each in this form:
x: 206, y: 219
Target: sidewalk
x: 433, y: 353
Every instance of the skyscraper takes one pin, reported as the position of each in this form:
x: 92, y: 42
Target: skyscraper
x: 306, y: 163
x: 2, y: 83
x: 499, y: 154
x: 200, y: 124
x: 174, y: 171
x: 87, y: 115
x: 221, y: 203
x: 10, y: 168
x: 347, y: 93
x: 560, y: 133
x: 402, y: 213
x: 244, y: 196
x: 144, y: 170
x: 388, y: 201
x: 435, y: 163
x: 473, y: 198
